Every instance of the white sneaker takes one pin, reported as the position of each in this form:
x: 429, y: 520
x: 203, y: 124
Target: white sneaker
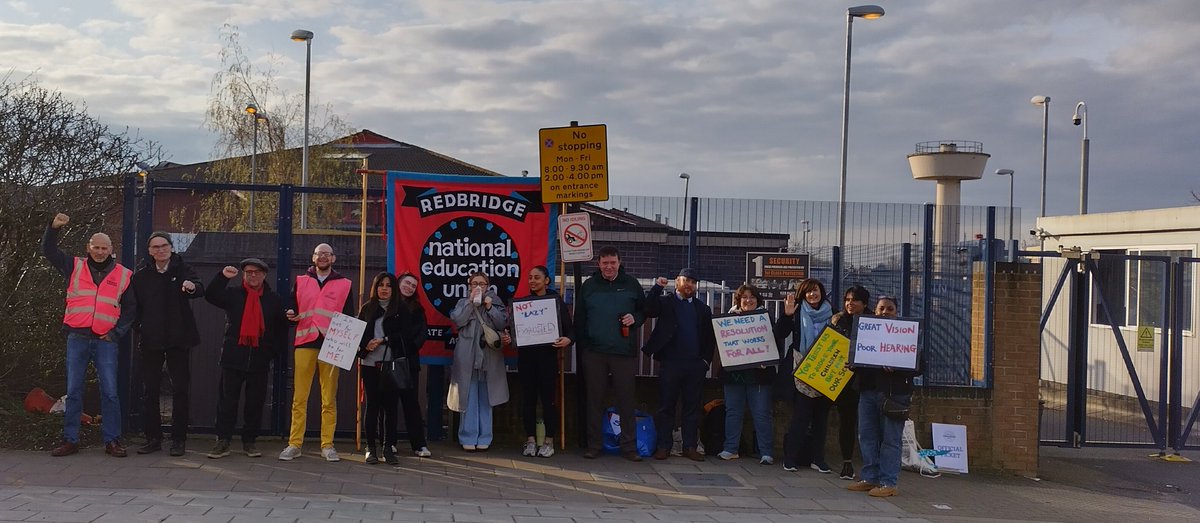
x: 289, y: 453
x: 545, y: 451
x: 726, y: 455
x: 329, y: 454
x: 766, y: 460
x: 423, y: 452
x: 530, y: 449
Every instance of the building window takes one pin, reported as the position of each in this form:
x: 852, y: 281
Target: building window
x: 1133, y: 290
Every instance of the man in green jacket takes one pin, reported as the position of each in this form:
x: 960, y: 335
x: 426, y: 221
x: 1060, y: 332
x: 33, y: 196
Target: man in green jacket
x: 608, y: 308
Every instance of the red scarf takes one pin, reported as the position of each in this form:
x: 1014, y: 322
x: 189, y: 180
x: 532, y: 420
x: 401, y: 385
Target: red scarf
x: 252, y: 318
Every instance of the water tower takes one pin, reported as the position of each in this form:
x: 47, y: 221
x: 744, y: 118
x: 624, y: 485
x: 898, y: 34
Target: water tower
x: 949, y: 163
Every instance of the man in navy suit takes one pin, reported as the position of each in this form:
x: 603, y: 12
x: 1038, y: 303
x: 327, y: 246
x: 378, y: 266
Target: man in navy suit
x: 683, y: 343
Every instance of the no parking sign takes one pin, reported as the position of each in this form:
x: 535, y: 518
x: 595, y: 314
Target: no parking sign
x: 575, y: 236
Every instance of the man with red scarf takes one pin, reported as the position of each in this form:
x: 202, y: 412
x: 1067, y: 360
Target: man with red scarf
x: 255, y: 333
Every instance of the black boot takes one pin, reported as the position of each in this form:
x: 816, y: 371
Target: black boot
x: 372, y: 454
x: 389, y: 455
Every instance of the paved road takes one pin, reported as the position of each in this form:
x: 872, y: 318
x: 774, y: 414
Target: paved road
x: 504, y: 487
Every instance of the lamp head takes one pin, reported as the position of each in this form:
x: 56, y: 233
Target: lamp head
x: 1039, y: 100
x: 1004, y: 172
x: 261, y: 117
x: 869, y: 12
x: 685, y: 176
x: 252, y: 108
x: 302, y: 35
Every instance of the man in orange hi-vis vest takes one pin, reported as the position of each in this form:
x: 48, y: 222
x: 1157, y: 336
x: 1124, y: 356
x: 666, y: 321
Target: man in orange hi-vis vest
x: 316, y: 296
x: 98, y: 313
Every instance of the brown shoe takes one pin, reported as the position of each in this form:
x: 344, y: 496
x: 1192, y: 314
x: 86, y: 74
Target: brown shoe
x: 861, y: 486
x: 631, y: 455
x: 591, y: 453
x: 114, y: 449
x: 883, y: 491
x: 661, y: 453
x: 65, y: 449
x: 693, y: 454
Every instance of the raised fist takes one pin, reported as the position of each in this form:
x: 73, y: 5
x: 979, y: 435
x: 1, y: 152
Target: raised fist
x: 661, y: 281
x: 229, y: 271
x: 60, y: 219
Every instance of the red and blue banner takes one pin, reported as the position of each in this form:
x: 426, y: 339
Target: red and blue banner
x: 444, y: 227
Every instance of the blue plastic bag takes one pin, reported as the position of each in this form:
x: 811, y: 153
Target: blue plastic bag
x: 647, y: 437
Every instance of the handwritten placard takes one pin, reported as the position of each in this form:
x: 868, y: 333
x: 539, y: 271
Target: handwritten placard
x: 745, y: 340
x: 341, y: 340
x: 535, y: 321
x: 886, y: 342
x: 824, y: 367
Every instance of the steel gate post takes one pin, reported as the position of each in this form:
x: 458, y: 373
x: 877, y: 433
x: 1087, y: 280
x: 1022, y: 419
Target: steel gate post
x: 905, y: 279
x: 835, y: 285
x: 927, y: 278
x: 283, y: 285
x: 989, y: 296
x: 1175, y: 364
x: 124, y: 346
x: 1077, y: 350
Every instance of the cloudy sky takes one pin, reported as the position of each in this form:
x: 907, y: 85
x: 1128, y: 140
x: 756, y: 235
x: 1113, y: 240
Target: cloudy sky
x: 745, y: 96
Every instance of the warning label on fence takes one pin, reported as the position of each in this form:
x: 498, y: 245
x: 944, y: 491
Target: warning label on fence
x: 1145, y: 341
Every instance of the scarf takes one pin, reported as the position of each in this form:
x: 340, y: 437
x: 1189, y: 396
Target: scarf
x: 811, y: 320
x: 252, y: 318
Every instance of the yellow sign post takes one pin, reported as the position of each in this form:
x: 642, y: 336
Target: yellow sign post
x: 824, y: 368
x: 574, y: 163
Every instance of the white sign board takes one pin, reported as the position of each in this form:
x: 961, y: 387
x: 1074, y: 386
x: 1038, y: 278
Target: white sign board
x: 745, y: 340
x: 535, y: 322
x: 953, y: 440
x: 885, y: 342
x: 575, y: 236
x: 341, y: 340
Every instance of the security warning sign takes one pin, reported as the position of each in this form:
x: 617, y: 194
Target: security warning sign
x: 775, y: 273
x: 574, y: 163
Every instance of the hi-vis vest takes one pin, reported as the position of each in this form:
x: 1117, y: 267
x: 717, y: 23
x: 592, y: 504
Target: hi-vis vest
x: 92, y: 307
x: 317, y: 305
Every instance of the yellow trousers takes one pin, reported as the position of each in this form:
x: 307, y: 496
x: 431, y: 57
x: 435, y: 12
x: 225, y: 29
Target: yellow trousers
x: 307, y: 365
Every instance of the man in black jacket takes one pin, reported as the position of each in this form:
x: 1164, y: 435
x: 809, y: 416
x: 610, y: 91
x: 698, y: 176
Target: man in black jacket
x: 255, y: 334
x: 683, y: 342
x: 163, y: 285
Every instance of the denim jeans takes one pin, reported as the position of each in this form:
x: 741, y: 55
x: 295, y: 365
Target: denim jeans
x: 879, y: 439
x: 102, y: 354
x: 759, y: 397
x: 476, y: 425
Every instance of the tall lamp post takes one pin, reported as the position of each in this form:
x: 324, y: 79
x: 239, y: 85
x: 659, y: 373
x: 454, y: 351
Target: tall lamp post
x: 804, y: 239
x: 1043, y: 101
x: 306, y: 36
x: 1011, y: 238
x: 687, y: 182
x: 868, y: 12
x: 1081, y: 117
x: 256, y: 116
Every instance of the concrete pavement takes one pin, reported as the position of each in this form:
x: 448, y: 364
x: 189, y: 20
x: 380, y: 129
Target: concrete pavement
x: 502, y: 486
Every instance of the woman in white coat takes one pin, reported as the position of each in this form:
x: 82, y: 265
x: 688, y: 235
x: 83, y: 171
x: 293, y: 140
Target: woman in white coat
x: 477, y: 376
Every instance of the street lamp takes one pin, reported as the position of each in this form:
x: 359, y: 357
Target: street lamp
x: 306, y: 36
x: 256, y: 115
x: 1009, y: 173
x: 805, y: 229
x: 687, y: 181
x: 1043, y: 101
x: 1081, y: 117
x: 868, y: 12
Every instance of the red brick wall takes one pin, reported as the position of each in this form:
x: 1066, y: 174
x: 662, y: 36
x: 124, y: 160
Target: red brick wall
x: 1002, y: 422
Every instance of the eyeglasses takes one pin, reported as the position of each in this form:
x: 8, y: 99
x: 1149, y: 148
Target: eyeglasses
x: 479, y: 284
x: 253, y: 272
x: 322, y: 255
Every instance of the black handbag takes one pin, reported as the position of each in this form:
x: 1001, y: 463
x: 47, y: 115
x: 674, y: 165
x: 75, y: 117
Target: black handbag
x: 397, y: 372
x: 895, y: 408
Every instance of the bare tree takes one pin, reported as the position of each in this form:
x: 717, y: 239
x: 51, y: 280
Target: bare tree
x: 53, y: 157
x: 237, y: 84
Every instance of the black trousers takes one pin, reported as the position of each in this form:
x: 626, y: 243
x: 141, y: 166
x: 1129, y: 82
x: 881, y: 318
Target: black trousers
x: 679, y: 381
x: 232, y: 383
x: 178, y: 362
x: 597, y: 367
x: 382, y: 401
x: 537, y: 369
x: 847, y: 406
x: 804, y: 443
x: 413, y: 423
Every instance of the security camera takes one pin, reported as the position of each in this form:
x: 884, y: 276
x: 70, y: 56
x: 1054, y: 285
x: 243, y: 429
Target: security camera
x: 1033, y: 232
x: 1076, y: 120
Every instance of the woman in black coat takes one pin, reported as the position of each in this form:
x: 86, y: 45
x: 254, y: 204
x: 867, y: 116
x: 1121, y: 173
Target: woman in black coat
x: 395, y: 329
x: 537, y: 368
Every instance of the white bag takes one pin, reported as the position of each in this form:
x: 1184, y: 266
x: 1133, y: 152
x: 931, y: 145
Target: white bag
x: 910, y: 453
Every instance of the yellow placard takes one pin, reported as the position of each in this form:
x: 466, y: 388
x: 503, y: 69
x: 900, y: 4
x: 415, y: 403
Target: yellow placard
x: 824, y: 368
x: 1145, y: 339
x: 574, y: 163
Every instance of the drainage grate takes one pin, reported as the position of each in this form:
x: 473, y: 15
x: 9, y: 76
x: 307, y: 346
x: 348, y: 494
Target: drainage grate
x: 706, y: 479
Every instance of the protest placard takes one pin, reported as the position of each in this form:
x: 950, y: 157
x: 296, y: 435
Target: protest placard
x: 745, y: 340
x: 535, y: 321
x: 885, y: 342
x: 824, y: 367
x: 341, y: 340
x: 952, y: 439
